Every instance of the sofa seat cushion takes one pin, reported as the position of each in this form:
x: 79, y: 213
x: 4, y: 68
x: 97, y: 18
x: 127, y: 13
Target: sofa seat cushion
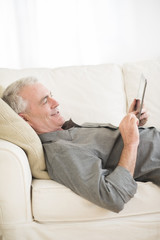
x: 52, y: 201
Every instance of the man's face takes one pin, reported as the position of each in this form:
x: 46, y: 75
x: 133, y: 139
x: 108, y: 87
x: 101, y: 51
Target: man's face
x: 42, y: 113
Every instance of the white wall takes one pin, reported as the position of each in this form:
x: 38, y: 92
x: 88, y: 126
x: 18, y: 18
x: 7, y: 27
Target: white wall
x: 52, y: 33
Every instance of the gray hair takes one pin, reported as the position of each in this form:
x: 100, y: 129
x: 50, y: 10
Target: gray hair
x: 11, y: 94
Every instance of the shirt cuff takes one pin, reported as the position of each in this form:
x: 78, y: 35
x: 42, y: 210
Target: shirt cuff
x: 123, y: 182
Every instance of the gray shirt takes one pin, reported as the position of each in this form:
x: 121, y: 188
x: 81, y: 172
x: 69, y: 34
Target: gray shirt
x: 85, y: 160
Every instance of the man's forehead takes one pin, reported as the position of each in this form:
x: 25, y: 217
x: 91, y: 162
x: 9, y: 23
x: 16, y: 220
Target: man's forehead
x: 36, y: 90
x: 37, y: 87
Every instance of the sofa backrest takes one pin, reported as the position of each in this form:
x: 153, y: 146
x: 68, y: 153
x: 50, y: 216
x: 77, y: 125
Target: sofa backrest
x: 85, y: 93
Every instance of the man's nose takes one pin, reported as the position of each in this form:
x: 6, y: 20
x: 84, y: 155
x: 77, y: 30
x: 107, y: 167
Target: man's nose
x: 54, y: 103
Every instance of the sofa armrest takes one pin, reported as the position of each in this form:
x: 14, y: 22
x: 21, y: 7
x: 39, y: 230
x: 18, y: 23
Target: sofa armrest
x: 15, y: 185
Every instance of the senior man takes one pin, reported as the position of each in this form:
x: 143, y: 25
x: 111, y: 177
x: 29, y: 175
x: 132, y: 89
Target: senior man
x: 99, y: 162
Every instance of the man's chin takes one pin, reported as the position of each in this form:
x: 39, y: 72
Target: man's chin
x: 61, y: 120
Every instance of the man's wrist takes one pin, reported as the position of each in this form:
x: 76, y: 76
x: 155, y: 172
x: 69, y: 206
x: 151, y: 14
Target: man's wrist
x: 128, y: 157
x: 131, y: 146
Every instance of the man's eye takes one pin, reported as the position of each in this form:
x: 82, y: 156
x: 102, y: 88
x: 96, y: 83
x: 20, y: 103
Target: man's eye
x: 45, y: 101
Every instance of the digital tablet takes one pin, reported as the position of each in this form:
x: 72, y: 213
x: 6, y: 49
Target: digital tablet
x: 140, y: 95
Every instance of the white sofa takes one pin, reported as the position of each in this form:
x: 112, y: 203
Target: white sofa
x: 41, y: 209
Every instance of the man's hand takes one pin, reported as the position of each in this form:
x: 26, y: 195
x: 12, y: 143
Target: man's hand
x: 130, y: 135
x: 144, y: 114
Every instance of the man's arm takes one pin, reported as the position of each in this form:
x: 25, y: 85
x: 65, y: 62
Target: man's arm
x: 130, y: 135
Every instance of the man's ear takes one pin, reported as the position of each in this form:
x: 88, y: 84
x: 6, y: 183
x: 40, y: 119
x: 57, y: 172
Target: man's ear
x: 23, y: 115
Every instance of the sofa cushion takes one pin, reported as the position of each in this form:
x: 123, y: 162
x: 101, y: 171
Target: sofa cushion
x: 47, y: 194
x: 151, y: 71
x: 86, y: 93
x: 14, y: 129
x: 91, y: 93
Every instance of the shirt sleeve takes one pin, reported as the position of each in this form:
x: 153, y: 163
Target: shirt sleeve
x: 81, y: 171
x: 122, y: 185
